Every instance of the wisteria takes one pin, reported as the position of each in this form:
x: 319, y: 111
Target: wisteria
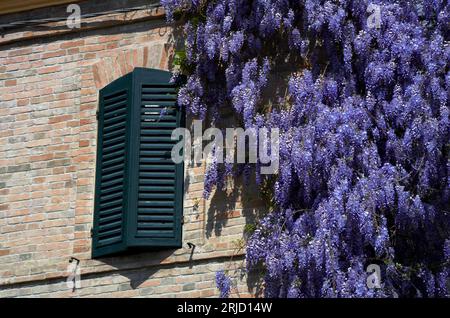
x: 364, y: 147
x: 223, y: 283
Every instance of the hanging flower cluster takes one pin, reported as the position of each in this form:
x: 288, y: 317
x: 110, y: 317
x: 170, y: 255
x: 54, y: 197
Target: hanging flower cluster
x: 223, y: 283
x: 364, y: 172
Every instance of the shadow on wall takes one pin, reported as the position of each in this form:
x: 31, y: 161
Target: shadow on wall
x: 240, y: 196
x: 135, y: 266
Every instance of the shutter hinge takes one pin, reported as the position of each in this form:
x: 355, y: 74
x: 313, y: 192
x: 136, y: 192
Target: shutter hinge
x: 97, y: 114
x: 92, y: 232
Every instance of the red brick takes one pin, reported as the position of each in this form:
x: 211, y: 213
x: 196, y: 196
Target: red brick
x: 44, y: 157
x: 10, y: 83
x: 58, y: 119
x: 49, y: 69
x: 111, y: 46
x: 70, y: 44
x: 53, y: 54
x: 74, y: 50
x: 4, y: 252
x: 23, y: 102
x: 18, y: 52
x: 84, y: 143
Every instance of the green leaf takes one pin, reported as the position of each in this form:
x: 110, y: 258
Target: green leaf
x: 179, y: 58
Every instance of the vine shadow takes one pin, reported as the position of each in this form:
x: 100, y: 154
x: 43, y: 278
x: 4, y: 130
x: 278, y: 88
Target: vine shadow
x: 224, y: 201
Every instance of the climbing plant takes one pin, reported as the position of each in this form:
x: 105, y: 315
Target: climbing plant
x: 359, y: 90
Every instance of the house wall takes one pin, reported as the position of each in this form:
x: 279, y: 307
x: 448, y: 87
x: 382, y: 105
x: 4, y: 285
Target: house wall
x: 49, y: 83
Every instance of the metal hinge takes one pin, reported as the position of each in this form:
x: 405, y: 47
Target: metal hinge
x: 92, y: 232
x: 97, y: 114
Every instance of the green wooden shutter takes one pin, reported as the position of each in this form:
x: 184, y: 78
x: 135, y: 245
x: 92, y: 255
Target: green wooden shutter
x: 158, y: 198
x: 111, y: 175
x: 139, y: 189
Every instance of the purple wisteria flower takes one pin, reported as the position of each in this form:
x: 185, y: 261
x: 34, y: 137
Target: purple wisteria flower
x: 223, y: 283
x: 363, y: 113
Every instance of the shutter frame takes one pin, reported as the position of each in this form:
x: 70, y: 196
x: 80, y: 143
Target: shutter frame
x: 132, y: 83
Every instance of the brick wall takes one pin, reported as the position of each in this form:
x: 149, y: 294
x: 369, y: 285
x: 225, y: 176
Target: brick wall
x: 48, y: 98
